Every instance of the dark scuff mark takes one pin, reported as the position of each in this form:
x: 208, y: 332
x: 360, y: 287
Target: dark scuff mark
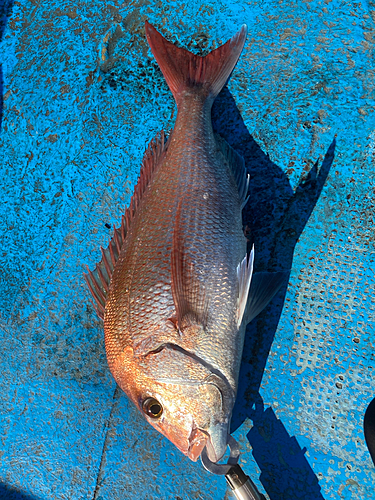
x: 99, y: 480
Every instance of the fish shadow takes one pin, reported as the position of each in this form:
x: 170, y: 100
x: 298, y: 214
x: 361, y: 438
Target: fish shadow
x: 5, y: 12
x: 285, y: 472
x: 273, y: 220
x: 9, y: 493
x: 369, y: 428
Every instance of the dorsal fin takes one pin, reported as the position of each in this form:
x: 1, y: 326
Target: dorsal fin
x: 98, y: 280
x: 237, y: 165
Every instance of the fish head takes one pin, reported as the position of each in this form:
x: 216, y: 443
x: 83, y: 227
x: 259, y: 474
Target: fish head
x: 188, y: 402
x: 189, y: 416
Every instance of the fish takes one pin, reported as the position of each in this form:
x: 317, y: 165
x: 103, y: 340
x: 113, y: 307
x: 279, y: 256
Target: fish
x: 175, y: 282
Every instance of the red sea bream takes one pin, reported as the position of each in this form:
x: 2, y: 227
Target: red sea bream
x: 173, y: 284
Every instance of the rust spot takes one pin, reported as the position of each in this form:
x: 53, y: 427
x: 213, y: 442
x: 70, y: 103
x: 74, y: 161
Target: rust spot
x: 72, y: 14
x: 65, y: 89
x: 90, y: 79
x: 52, y: 138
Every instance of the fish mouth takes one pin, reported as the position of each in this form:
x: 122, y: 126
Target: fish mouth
x: 217, y: 443
x: 197, y: 441
x: 215, y: 439
x: 217, y: 434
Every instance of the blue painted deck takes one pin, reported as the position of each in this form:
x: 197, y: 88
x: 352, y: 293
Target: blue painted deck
x: 82, y: 97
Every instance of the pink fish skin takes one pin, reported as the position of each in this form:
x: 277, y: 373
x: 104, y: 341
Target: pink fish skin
x: 172, y: 285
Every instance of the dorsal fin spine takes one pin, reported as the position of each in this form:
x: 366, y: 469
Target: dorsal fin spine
x: 98, y: 280
x: 112, y: 254
x: 104, y: 282
x: 117, y: 241
x: 127, y: 216
x: 99, y: 309
x: 97, y: 292
x: 123, y: 229
x: 105, y: 261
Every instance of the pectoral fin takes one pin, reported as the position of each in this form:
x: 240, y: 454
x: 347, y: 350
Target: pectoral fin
x: 189, y: 295
x: 263, y: 288
x: 244, y: 274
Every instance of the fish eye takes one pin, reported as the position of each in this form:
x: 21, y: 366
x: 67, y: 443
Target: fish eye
x: 152, y: 408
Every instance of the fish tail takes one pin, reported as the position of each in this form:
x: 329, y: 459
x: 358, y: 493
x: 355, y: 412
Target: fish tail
x: 186, y: 71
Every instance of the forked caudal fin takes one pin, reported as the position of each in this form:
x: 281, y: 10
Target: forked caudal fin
x: 184, y: 70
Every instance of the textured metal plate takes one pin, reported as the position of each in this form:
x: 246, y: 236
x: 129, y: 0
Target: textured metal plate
x: 82, y: 97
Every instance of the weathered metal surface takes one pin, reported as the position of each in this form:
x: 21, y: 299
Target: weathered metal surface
x: 82, y: 98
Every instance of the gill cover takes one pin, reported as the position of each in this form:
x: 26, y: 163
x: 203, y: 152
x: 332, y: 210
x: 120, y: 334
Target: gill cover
x: 210, y: 413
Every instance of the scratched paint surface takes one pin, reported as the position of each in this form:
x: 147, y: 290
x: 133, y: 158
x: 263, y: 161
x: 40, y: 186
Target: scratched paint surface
x: 82, y: 99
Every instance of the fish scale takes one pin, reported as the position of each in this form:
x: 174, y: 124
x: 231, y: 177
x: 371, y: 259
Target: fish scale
x: 173, y: 284
x: 147, y: 253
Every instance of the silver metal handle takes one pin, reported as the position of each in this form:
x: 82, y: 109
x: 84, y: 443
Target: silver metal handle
x: 241, y: 485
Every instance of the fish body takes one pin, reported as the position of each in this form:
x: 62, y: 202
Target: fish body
x: 173, y: 284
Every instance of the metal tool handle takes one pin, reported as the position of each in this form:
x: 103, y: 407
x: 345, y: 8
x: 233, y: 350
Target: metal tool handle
x: 241, y: 485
